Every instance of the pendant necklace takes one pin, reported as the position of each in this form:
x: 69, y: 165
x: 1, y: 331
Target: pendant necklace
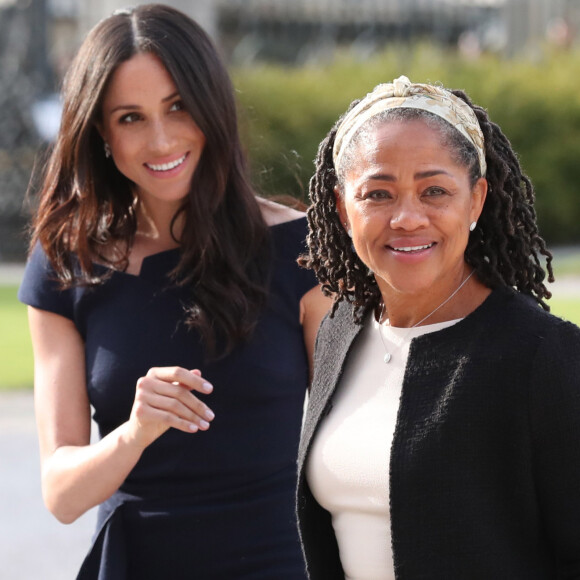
x: 387, y: 358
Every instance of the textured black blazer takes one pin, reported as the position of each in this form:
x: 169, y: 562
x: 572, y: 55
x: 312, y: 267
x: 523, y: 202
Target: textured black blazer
x: 485, y: 460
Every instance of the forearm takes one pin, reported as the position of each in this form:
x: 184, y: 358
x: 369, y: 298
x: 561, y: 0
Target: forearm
x: 77, y: 478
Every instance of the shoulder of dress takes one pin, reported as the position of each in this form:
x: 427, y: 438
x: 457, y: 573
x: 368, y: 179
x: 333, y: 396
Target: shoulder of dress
x: 529, y: 315
x: 517, y: 318
x: 275, y: 213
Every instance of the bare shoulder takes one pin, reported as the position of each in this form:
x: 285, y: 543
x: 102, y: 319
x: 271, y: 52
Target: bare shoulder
x: 276, y: 213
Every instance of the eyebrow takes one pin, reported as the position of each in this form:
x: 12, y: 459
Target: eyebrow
x: 133, y: 107
x: 418, y: 175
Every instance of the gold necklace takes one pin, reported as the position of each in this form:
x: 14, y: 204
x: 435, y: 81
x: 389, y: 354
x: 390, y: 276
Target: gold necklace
x: 387, y: 358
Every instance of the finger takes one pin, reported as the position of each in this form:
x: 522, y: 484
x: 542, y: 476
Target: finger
x: 176, y: 412
x: 206, y: 386
x: 152, y: 415
x: 191, y: 380
x: 160, y: 394
x: 188, y: 399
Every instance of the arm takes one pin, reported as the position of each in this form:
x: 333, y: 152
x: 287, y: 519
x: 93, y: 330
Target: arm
x: 313, y: 307
x: 76, y: 475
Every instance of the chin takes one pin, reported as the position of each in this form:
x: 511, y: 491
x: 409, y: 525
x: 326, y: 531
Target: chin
x: 407, y: 285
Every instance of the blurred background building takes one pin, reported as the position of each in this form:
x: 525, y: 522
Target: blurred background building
x: 38, y: 39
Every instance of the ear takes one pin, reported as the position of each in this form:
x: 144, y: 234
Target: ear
x: 339, y: 199
x: 478, y: 196
x: 100, y: 129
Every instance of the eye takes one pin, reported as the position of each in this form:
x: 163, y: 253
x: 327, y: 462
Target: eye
x: 435, y: 191
x: 177, y: 106
x: 129, y: 118
x: 378, y: 194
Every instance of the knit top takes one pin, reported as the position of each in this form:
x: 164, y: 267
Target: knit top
x: 348, y: 467
x: 485, y: 462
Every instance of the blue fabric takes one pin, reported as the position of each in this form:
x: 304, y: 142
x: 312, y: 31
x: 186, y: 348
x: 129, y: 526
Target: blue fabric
x: 215, y: 504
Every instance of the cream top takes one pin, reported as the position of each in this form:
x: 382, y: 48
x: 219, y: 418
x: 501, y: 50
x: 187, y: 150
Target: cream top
x: 348, y: 466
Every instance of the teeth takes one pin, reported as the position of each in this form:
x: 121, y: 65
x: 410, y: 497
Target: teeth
x: 167, y: 166
x: 413, y: 248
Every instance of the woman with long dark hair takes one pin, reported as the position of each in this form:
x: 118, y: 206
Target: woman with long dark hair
x: 163, y: 293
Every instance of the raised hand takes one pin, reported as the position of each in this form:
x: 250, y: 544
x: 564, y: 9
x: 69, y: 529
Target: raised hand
x: 164, y: 398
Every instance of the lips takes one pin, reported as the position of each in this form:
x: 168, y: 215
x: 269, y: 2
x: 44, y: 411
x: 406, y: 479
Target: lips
x: 166, y: 166
x: 410, y: 249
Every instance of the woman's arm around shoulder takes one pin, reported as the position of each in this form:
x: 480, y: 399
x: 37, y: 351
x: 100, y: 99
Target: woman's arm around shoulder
x: 313, y: 308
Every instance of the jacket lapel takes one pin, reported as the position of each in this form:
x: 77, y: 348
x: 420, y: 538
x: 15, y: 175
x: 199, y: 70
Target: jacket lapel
x: 333, y: 344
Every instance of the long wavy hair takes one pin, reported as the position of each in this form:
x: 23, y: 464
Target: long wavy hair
x: 87, y: 205
x: 505, y: 249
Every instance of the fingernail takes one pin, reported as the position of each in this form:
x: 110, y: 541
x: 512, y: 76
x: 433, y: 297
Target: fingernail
x: 207, y: 387
x: 209, y: 414
x: 204, y: 424
x: 193, y: 427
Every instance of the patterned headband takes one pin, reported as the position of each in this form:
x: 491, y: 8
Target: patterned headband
x: 402, y: 93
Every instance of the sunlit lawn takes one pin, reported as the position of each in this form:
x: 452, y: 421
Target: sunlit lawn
x: 566, y: 262
x: 568, y: 308
x: 15, y: 349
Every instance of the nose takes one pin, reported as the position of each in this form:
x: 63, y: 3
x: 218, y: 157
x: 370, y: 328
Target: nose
x: 408, y: 214
x: 160, y: 138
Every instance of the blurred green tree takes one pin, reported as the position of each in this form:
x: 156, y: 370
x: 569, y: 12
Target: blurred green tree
x: 288, y: 111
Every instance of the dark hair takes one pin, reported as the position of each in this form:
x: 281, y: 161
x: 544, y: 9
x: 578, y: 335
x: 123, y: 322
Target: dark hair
x: 86, y: 203
x: 504, y: 249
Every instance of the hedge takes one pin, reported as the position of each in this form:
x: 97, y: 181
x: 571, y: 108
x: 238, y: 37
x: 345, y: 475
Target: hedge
x: 287, y: 111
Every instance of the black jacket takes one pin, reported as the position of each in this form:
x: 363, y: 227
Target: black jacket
x: 485, y: 461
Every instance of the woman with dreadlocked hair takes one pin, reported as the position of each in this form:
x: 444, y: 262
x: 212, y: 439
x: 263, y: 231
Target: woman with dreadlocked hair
x: 442, y: 437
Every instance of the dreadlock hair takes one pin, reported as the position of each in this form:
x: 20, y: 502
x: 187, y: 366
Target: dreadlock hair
x: 504, y: 249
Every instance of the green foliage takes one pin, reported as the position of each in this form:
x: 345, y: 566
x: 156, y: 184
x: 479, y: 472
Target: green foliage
x: 16, y: 366
x: 288, y: 111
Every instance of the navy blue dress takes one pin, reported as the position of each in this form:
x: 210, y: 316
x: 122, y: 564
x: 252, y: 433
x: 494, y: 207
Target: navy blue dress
x: 216, y: 504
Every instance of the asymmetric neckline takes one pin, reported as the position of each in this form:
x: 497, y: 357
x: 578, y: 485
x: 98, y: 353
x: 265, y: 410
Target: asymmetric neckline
x: 168, y: 259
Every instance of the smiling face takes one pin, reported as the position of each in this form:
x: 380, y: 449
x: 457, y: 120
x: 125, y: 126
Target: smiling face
x: 154, y: 141
x: 409, y: 205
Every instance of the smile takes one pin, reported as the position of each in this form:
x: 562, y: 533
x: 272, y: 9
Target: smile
x: 414, y: 248
x: 167, y: 166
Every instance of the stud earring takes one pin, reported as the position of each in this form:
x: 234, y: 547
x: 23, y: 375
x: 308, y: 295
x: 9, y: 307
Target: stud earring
x: 472, y: 226
x: 349, y: 233
x: 107, y: 150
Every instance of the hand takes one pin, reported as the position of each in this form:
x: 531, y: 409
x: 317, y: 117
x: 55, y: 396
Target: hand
x: 164, y: 399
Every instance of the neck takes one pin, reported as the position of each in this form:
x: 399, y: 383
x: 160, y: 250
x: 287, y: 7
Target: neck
x: 455, y: 300
x: 154, y: 225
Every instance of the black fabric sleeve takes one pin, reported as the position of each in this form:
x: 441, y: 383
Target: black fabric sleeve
x: 289, y: 245
x: 41, y: 289
x: 555, y: 420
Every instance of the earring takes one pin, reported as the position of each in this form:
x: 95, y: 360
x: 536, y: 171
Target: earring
x: 349, y: 233
x: 107, y: 150
x: 472, y: 226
